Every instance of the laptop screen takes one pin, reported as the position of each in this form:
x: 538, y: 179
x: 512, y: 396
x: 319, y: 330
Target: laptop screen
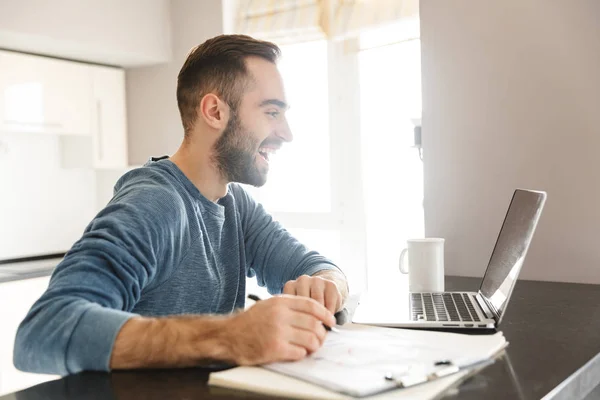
x: 511, y: 247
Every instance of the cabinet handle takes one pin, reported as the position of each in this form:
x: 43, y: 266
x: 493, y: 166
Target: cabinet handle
x: 28, y: 123
x: 99, y: 127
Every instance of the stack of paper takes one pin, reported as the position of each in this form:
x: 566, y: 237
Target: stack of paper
x: 356, y: 360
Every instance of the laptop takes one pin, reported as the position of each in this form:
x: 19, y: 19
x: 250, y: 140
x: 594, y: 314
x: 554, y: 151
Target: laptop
x: 483, y: 309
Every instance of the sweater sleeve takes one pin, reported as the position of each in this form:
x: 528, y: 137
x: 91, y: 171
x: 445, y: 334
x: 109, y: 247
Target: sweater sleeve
x: 272, y: 253
x: 92, y: 292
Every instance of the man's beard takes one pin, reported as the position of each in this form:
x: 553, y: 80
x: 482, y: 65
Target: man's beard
x: 235, y: 153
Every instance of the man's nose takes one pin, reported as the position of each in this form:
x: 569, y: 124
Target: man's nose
x: 285, y: 133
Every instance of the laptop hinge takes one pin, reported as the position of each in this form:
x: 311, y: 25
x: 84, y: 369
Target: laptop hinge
x: 486, y: 306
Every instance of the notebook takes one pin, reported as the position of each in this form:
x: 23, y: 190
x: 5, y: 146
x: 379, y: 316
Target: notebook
x: 361, y: 361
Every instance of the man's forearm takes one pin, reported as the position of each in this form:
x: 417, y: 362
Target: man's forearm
x: 339, y: 279
x: 171, y: 342
x: 282, y: 328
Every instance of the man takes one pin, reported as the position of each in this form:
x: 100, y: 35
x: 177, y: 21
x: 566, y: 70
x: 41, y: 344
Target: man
x: 158, y: 278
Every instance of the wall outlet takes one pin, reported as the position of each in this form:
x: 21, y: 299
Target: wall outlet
x: 417, y: 134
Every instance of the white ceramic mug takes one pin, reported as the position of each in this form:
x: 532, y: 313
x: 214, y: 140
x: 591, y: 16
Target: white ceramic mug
x: 425, y: 264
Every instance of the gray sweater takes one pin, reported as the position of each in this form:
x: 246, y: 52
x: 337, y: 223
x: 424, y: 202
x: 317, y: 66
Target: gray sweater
x: 158, y: 248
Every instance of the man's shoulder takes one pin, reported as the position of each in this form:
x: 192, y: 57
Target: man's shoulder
x: 144, y: 175
x: 148, y: 186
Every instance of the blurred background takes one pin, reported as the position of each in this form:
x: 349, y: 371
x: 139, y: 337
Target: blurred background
x: 352, y: 75
x: 410, y: 118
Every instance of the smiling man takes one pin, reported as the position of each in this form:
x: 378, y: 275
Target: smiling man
x: 158, y: 277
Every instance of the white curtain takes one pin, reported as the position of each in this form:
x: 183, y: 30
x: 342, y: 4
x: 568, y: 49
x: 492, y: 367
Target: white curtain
x: 282, y: 21
x: 292, y: 21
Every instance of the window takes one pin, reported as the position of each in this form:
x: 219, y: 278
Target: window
x: 299, y: 177
x: 350, y: 185
x: 310, y: 189
x: 390, y: 97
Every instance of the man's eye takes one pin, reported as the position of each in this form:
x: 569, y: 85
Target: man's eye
x: 273, y: 114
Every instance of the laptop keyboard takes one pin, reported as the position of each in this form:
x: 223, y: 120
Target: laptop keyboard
x: 443, y: 307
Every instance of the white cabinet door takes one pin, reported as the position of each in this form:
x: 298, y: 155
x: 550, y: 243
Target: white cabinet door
x: 110, y: 122
x: 16, y: 298
x: 44, y: 95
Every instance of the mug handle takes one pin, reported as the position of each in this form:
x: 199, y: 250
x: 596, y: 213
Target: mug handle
x: 402, y: 263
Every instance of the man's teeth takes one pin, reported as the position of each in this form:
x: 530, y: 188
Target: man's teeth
x: 267, y: 150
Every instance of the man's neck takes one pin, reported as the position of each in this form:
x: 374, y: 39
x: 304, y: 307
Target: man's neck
x: 195, y: 163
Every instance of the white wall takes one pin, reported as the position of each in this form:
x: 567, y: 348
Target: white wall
x: 511, y: 98
x: 118, y: 32
x: 43, y: 207
x: 154, y: 125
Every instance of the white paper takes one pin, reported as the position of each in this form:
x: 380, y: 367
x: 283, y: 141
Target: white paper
x: 355, y: 361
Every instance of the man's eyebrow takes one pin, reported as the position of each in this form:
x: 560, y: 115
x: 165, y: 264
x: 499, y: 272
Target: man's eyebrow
x: 275, y: 102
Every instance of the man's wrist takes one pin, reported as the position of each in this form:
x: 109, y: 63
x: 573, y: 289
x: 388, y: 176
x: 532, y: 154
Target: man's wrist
x: 213, y: 341
x: 339, y: 279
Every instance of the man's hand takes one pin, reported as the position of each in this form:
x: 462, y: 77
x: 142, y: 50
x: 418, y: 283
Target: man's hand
x: 321, y: 288
x: 282, y: 328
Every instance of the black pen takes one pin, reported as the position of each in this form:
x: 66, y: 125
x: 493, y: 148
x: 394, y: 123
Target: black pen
x: 327, y: 327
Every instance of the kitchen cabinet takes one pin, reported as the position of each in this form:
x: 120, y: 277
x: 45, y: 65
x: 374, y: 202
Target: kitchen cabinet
x: 106, y: 147
x: 83, y: 103
x: 44, y: 95
x: 109, y: 114
x: 16, y: 298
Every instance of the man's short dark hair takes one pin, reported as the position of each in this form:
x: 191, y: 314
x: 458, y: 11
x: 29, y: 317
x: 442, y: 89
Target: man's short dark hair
x: 218, y: 66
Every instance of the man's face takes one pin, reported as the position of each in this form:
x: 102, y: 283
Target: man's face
x: 256, y: 130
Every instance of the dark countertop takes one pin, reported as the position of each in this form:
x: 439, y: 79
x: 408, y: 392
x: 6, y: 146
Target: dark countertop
x: 27, y: 269
x: 553, y: 331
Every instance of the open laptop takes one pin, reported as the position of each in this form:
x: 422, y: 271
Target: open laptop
x: 472, y: 310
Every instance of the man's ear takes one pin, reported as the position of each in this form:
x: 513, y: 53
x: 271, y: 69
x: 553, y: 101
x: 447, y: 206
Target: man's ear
x: 214, y: 111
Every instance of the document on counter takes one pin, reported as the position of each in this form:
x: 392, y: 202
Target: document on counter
x: 360, y: 361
